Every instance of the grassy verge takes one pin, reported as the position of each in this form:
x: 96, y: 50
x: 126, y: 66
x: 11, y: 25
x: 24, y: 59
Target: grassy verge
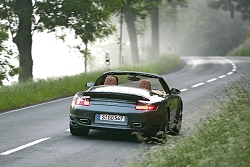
x: 221, y: 140
x: 242, y: 50
x: 25, y: 94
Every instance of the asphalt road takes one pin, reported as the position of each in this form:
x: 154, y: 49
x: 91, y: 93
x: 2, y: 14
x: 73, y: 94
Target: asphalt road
x: 39, y: 136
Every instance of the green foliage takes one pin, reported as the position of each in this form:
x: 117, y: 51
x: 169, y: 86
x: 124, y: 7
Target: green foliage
x: 140, y: 8
x: 222, y: 139
x: 202, y: 31
x: 232, y: 6
x: 169, y: 9
x: 6, y: 68
x: 33, y: 92
x: 242, y: 50
x: 11, y: 11
x: 89, y: 19
x: 7, y: 15
x: 135, y: 12
x: 3, y: 37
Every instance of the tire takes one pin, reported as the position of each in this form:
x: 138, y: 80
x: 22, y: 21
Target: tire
x: 78, y: 131
x: 165, y: 127
x: 164, y: 130
x: 176, y: 128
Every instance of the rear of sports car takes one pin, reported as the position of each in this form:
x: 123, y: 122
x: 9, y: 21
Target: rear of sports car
x: 117, y: 107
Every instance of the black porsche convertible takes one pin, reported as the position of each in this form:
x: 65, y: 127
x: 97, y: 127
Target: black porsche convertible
x: 127, y: 100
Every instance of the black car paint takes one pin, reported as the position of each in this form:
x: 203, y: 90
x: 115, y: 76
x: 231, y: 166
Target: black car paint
x: 123, y: 103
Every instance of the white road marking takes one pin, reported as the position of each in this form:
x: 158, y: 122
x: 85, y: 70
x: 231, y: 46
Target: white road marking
x: 196, y: 85
x: 44, y: 139
x: 220, y: 77
x: 208, y: 81
x: 223, y: 76
x: 183, y: 90
x: 211, y: 80
x: 24, y: 146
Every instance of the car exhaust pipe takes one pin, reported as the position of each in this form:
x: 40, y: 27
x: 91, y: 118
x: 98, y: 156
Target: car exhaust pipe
x: 84, y: 121
x: 72, y: 120
x: 136, y: 125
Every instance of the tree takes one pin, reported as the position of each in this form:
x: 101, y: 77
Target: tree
x: 242, y: 6
x: 203, y: 31
x: 155, y: 48
x: 6, y: 68
x: 169, y: 14
x: 130, y: 19
x: 88, y: 18
x: 18, y: 16
x: 133, y: 11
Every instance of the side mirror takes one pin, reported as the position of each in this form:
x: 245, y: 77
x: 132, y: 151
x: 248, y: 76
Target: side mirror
x: 90, y: 84
x: 175, y: 91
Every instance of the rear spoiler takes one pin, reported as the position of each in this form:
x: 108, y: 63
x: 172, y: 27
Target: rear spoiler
x: 128, y: 96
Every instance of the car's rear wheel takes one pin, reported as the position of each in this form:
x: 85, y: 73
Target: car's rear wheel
x: 164, y: 130
x: 176, y: 128
x: 78, y: 131
x: 165, y: 127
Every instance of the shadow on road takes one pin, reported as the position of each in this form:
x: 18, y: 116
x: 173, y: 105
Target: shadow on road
x: 112, y: 135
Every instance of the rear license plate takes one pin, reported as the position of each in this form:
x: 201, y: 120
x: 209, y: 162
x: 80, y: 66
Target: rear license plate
x: 107, y: 117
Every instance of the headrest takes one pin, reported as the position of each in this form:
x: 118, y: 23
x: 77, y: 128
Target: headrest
x: 110, y: 81
x: 145, y: 84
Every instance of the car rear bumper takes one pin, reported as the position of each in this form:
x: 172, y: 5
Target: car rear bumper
x: 150, y: 121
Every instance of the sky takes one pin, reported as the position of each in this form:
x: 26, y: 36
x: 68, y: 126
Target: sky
x: 54, y: 58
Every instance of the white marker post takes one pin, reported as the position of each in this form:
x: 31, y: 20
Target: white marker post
x: 107, y: 58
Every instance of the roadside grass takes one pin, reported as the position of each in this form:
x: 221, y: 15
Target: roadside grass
x: 222, y: 139
x: 42, y: 90
x: 159, y: 66
x: 242, y: 50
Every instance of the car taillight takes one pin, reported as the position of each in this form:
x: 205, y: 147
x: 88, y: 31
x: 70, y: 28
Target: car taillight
x: 84, y: 101
x: 145, y: 106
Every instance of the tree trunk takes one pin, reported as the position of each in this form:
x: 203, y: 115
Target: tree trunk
x: 23, y: 39
x: 120, y: 49
x: 130, y: 21
x: 155, y: 51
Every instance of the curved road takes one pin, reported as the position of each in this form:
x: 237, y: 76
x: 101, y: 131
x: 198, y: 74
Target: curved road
x: 39, y: 135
